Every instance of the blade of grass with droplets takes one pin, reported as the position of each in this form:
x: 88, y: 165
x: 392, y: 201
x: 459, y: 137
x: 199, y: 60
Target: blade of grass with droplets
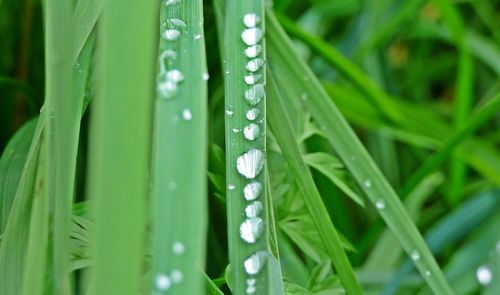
x: 287, y: 66
x: 180, y: 151
x: 244, y: 54
x: 120, y: 150
x: 282, y: 130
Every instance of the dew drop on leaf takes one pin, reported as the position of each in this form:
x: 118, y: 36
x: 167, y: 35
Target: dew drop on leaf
x: 251, y: 229
x: 250, y: 163
x: 254, y: 209
x: 484, y: 275
x: 253, y: 264
x: 252, y: 190
x: 255, y: 64
x: 252, y: 114
x: 252, y: 36
x: 251, y: 132
x: 251, y: 20
x: 253, y: 51
x: 254, y: 94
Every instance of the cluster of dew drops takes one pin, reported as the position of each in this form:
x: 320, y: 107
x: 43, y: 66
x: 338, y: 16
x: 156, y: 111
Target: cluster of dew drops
x: 169, y: 79
x: 164, y: 281
x: 250, y: 163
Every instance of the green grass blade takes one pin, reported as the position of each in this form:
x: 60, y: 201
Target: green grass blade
x: 282, y: 130
x: 61, y: 135
x: 245, y: 80
x: 180, y: 152
x: 119, y: 160
x: 37, y: 263
x: 85, y: 17
x: 288, y: 66
x: 436, y: 160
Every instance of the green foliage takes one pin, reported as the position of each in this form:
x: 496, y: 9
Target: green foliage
x: 378, y: 122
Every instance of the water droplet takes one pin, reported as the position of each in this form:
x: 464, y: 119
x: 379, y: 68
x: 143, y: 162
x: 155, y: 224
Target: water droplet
x: 252, y: 131
x: 253, y: 264
x: 250, y: 163
x: 166, y: 54
x: 252, y: 36
x: 172, y: 2
x: 167, y: 89
x: 255, y: 64
x: 415, y: 256
x: 175, y: 76
x: 367, y: 183
x: 236, y: 130
x: 229, y: 111
x: 380, y: 204
x: 254, y: 94
x: 254, y: 209
x: 178, y: 248
x: 206, y: 76
x: 251, y: 20
x: 253, y: 51
x: 304, y: 96
x: 253, y: 114
x: 250, y: 290
x: 187, y: 115
x: 197, y: 37
x: 252, y: 79
x: 163, y: 282
x: 177, y: 22
x: 176, y: 276
x: 428, y: 273
x: 484, y: 275
x: 252, y: 190
x: 231, y: 187
x: 251, y: 229
x: 251, y: 282
x: 171, y: 34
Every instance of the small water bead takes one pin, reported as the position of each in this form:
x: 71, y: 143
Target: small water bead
x: 178, y: 248
x: 484, y: 275
x: 380, y: 204
x: 251, y: 282
x: 415, y: 256
x: 172, y: 2
x: 255, y: 64
x: 252, y: 79
x: 254, y: 209
x: 167, y: 54
x: 250, y: 163
x: 251, y: 290
x: 175, y: 76
x: 251, y: 132
x: 428, y: 273
x: 163, y: 282
x: 231, y: 187
x: 167, y: 89
x: 252, y: 36
x: 367, y: 183
x: 254, y: 94
x: 171, y: 34
x: 236, y: 130
x: 229, y: 112
x: 252, y: 190
x: 176, y: 276
x: 177, y: 22
x: 251, y: 20
x: 253, y: 114
x: 254, y: 264
x: 187, y: 115
x: 197, y: 37
x: 253, y: 51
x: 205, y: 76
x: 251, y: 229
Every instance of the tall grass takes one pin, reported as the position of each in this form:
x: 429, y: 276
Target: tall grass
x: 378, y: 173
x: 180, y: 151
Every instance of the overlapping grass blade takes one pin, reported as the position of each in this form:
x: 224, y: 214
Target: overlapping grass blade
x: 282, y: 130
x: 180, y: 151
x: 120, y: 154
x: 288, y: 66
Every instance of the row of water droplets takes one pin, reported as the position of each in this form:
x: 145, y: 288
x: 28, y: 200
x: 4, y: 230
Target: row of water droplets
x: 169, y: 78
x: 164, y: 281
x: 251, y: 162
